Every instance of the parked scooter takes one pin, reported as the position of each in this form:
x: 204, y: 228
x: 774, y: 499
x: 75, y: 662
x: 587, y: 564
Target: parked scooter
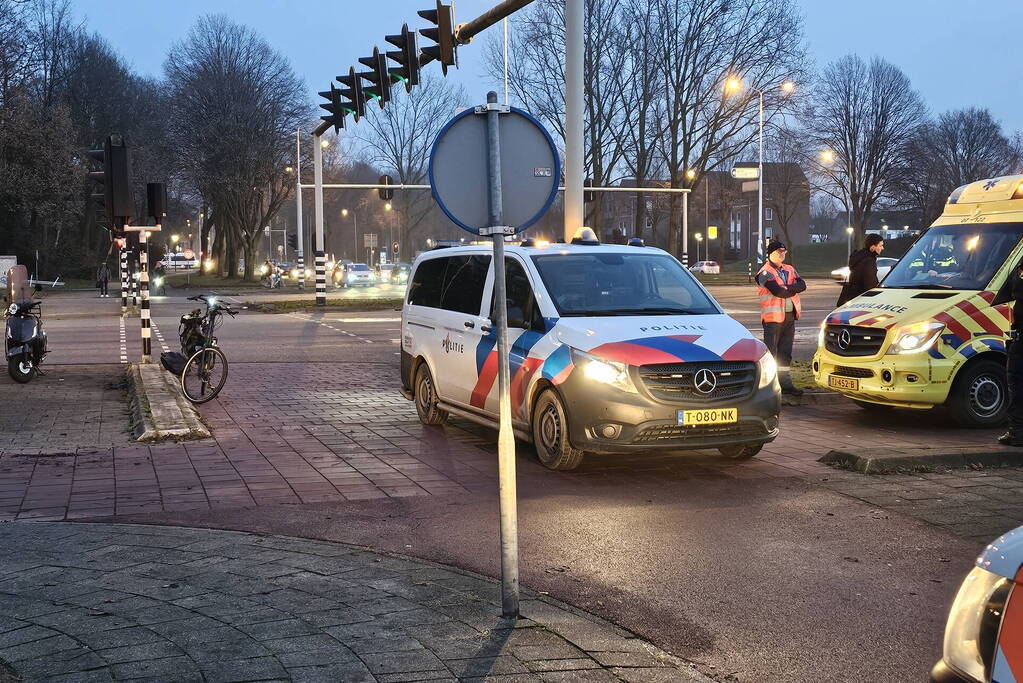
x: 26, y: 339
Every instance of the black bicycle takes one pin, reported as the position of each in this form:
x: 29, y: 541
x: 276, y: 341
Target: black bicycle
x: 205, y: 371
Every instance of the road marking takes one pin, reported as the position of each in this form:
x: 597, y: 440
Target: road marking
x: 367, y: 320
x: 159, y: 337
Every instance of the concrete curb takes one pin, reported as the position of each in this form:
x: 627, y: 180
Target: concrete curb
x: 890, y: 460
x: 158, y: 410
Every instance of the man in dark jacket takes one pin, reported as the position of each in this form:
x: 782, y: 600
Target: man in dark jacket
x: 1012, y: 291
x: 862, y: 269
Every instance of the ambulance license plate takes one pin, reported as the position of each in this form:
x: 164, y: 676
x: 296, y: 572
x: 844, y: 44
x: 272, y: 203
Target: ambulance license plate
x: 850, y: 383
x: 709, y: 416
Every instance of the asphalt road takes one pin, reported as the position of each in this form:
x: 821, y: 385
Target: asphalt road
x: 754, y: 579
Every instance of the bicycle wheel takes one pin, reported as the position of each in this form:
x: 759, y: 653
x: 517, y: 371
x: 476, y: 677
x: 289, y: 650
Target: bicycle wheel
x: 204, y: 375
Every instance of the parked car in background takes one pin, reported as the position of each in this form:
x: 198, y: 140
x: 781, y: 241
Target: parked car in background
x: 358, y: 275
x: 884, y: 264
x: 706, y: 267
x: 384, y: 271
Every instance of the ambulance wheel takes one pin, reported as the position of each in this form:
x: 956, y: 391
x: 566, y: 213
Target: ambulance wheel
x: 740, y: 451
x: 980, y: 396
x: 550, y: 434
x: 426, y: 399
x: 872, y: 407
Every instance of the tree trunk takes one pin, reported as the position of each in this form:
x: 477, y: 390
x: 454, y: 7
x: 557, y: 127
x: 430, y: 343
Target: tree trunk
x: 250, y: 259
x: 639, y: 215
x: 674, y: 227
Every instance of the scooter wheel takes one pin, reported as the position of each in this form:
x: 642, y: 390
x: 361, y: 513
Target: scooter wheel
x: 21, y: 369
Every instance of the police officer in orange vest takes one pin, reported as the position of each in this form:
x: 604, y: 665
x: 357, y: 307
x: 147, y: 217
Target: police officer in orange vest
x: 778, y: 286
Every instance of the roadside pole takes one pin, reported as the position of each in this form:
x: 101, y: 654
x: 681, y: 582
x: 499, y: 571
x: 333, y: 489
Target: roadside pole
x: 321, y: 276
x: 145, y: 320
x: 685, y: 231
x: 298, y: 209
x: 505, y: 438
x: 124, y: 278
x: 574, y: 171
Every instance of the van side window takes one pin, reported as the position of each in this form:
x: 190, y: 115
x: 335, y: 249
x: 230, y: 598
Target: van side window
x: 462, y: 291
x: 427, y: 282
x: 521, y: 302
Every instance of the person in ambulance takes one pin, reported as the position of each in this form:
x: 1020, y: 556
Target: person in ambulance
x: 932, y: 333
x: 613, y: 348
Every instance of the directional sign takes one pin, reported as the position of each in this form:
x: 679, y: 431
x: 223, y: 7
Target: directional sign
x: 369, y: 240
x: 712, y: 232
x: 530, y: 170
x: 745, y: 172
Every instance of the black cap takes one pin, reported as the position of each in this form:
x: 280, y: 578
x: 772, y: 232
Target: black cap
x: 775, y: 245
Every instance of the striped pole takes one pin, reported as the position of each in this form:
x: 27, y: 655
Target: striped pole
x: 133, y: 281
x: 144, y: 285
x: 321, y: 278
x: 298, y: 208
x: 318, y: 247
x: 124, y: 281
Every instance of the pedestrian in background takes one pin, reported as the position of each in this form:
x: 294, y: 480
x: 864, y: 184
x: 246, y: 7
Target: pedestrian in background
x: 103, y: 279
x: 862, y: 269
x: 1012, y: 291
x: 778, y: 286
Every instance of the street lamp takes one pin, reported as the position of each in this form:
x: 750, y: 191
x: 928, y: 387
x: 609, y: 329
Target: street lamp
x: 734, y: 84
x: 324, y: 143
x: 849, y: 231
x: 699, y: 241
x: 828, y: 157
x: 355, y: 220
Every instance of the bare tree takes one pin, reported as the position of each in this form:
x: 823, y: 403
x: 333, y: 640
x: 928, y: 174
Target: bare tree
x: 960, y: 147
x: 702, y: 43
x: 861, y: 119
x: 398, y: 140
x: 235, y: 104
x: 536, y: 75
x: 787, y: 190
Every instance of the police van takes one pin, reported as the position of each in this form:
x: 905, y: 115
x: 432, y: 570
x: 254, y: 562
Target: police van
x: 930, y: 335
x: 612, y: 349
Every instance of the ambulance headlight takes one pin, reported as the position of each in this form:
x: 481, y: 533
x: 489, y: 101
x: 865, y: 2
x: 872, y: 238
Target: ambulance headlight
x: 768, y: 368
x: 607, y: 372
x: 915, y: 338
x: 821, y: 333
x: 971, y: 632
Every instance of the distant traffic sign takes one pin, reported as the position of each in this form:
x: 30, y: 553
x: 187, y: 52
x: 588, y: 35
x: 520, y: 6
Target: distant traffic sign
x: 745, y: 172
x: 712, y: 232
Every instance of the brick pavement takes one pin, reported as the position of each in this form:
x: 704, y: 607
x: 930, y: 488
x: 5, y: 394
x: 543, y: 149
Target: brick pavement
x: 298, y: 433
x: 104, y: 602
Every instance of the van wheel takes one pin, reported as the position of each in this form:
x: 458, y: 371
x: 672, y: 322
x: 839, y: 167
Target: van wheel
x: 426, y: 398
x: 550, y: 434
x: 980, y: 396
x: 740, y: 451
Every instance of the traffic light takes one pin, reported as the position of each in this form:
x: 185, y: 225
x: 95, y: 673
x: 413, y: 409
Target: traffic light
x: 394, y: 247
x: 443, y: 35
x: 293, y: 241
x: 356, y: 104
x: 335, y: 107
x: 407, y: 56
x: 378, y: 76
x: 588, y: 195
x: 156, y: 201
x: 386, y: 193
x: 112, y: 175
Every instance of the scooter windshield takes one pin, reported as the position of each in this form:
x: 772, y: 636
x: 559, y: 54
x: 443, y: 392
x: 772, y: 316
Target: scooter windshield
x: 955, y: 257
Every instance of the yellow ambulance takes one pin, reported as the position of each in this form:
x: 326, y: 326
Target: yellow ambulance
x: 929, y: 335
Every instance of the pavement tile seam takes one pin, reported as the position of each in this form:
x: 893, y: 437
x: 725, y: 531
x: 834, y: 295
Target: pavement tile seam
x: 136, y: 620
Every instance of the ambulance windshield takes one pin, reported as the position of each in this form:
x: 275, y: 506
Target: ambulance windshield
x: 612, y: 283
x: 955, y: 257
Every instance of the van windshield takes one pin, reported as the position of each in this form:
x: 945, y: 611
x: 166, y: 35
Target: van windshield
x: 613, y: 283
x: 955, y: 257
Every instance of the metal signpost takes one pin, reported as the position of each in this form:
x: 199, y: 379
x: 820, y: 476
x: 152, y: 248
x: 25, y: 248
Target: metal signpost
x: 481, y: 158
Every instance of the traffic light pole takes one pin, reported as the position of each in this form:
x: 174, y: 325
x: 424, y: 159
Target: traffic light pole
x: 321, y: 275
x: 124, y: 279
x: 143, y: 283
x: 298, y: 208
x: 574, y: 163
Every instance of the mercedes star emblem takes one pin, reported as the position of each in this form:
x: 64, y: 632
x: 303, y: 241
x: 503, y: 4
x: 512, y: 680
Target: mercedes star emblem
x: 705, y: 381
x: 844, y: 339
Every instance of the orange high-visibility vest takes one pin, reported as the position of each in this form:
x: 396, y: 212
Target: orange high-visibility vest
x: 772, y: 308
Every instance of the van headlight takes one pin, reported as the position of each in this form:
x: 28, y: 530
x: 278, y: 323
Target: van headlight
x: 820, y: 335
x: 916, y: 337
x: 608, y: 372
x: 971, y: 633
x: 768, y: 368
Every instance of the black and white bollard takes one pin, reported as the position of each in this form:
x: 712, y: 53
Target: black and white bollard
x: 144, y: 286
x: 321, y: 279
x: 124, y: 281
